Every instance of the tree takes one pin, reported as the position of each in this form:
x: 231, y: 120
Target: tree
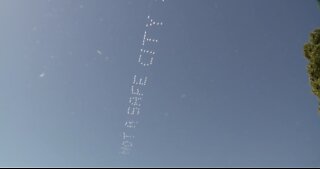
x: 312, y: 53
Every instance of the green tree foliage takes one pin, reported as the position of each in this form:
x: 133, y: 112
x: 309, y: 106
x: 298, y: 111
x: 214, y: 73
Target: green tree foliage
x: 312, y: 53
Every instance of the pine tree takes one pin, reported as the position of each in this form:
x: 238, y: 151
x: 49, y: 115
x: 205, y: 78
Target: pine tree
x: 312, y: 53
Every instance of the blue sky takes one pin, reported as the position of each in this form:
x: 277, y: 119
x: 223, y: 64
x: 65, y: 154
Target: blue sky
x: 228, y: 86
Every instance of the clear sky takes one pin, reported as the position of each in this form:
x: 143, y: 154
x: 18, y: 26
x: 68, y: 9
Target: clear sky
x: 228, y: 85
